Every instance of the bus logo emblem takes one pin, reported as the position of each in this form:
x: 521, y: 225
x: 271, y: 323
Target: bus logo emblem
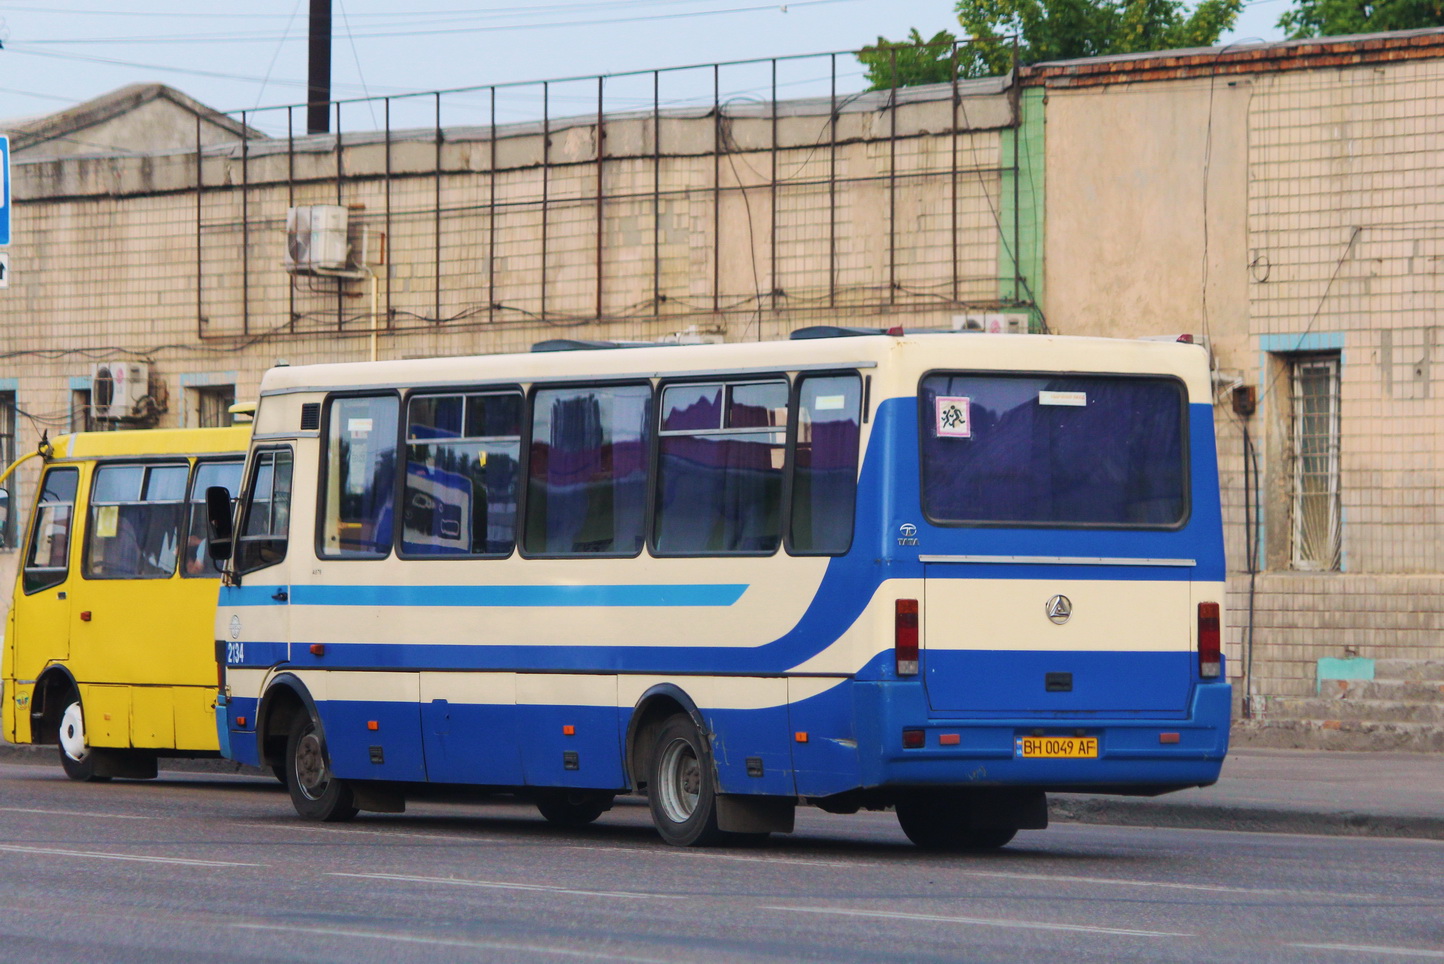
x: 907, y: 534
x: 1059, y: 608
x: 235, y: 627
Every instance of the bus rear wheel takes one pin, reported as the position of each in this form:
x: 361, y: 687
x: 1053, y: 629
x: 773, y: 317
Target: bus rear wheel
x: 682, y: 791
x: 76, y: 755
x: 941, y: 822
x: 315, y: 792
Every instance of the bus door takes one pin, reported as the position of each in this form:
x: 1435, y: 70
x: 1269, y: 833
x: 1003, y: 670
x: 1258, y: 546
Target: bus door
x: 41, y: 626
x: 254, y: 608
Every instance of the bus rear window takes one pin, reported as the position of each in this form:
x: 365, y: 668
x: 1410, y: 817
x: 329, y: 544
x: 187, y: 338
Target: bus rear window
x: 1070, y: 450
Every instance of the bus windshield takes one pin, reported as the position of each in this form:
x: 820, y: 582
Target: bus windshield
x: 1059, y: 450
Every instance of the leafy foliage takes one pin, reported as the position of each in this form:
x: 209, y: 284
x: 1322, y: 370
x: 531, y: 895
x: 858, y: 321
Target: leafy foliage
x: 1049, y: 30
x: 1331, y: 18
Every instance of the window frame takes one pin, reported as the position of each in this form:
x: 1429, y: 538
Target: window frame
x: 146, y: 464
x: 246, y: 498
x: 794, y: 423
x: 209, y: 571
x: 1333, y: 362
x: 403, y: 423
x: 31, y: 531
x: 528, y: 423
x: 323, y: 469
x: 654, y: 480
x: 1185, y: 452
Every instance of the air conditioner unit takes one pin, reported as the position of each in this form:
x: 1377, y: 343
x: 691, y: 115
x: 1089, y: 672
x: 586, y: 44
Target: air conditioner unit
x: 316, y: 239
x: 116, y: 388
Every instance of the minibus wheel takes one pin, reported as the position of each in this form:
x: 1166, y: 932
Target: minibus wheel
x: 315, y: 792
x: 939, y: 821
x: 76, y: 756
x: 682, y: 791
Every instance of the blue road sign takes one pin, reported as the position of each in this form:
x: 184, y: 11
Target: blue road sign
x: 4, y: 190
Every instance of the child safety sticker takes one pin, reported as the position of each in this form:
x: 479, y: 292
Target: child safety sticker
x: 954, y: 419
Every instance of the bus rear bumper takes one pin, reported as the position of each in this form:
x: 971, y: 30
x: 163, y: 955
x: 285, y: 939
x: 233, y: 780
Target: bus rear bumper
x: 1133, y: 755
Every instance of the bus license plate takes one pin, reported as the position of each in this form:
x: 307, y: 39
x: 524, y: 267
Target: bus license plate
x: 1058, y: 747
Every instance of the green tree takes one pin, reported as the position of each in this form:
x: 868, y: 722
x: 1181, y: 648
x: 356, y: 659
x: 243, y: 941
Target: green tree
x: 1331, y: 18
x: 1049, y: 30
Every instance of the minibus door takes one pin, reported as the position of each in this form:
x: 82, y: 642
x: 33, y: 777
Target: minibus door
x: 253, y: 612
x: 42, y: 613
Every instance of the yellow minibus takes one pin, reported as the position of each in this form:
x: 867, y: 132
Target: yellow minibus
x: 108, y: 650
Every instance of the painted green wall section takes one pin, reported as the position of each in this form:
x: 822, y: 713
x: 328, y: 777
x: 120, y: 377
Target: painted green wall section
x: 1020, y: 271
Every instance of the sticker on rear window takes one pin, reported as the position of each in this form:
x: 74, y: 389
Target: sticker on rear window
x: 1077, y: 399
x: 954, y: 417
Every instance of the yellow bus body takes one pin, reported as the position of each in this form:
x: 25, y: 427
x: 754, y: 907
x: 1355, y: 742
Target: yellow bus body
x: 138, y: 653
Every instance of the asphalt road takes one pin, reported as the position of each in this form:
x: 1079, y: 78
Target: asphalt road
x: 218, y: 868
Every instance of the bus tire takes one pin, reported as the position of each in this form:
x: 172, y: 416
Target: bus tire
x: 315, y: 792
x: 682, y: 791
x: 940, y: 822
x: 76, y: 755
x: 573, y: 808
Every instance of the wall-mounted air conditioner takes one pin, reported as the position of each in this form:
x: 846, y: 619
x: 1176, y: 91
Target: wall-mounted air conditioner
x: 316, y: 239
x: 116, y: 389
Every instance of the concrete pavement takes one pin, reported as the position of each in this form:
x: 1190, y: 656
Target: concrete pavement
x: 1279, y: 791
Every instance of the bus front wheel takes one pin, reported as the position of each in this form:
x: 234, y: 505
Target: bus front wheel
x: 76, y: 756
x: 682, y: 792
x: 940, y: 821
x: 315, y: 792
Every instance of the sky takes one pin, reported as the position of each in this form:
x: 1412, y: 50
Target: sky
x: 252, y: 55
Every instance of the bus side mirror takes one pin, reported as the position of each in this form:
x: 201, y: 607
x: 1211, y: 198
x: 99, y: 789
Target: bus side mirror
x: 218, y: 522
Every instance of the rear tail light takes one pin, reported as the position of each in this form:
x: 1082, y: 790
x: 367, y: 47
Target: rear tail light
x: 1210, y: 643
x: 905, y: 636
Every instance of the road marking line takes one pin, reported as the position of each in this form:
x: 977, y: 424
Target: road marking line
x: 73, y: 813
x: 985, y: 921
x: 675, y: 852
x: 504, y: 885
x: 101, y: 855
x: 454, y: 838
x: 1207, y: 888
x: 1366, y: 949
x: 449, y: 942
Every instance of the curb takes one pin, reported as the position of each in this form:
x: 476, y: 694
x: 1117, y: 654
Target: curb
x: 1069, y: 808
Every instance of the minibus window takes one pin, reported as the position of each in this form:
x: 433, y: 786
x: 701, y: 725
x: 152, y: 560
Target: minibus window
x: 1053, y: 449
x: 227, y: 475
x: 719, y: 477
x: 266, y: 522
x: 824, y: 478
x: 360, y: 477
x: 462, y: 475
x: 135, y: 521
x: 47, y: 560
x: 587, y: 490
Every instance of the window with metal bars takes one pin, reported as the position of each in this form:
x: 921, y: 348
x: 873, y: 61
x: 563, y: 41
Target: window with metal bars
x: 1315, y: 500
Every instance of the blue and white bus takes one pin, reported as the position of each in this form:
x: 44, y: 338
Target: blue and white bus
x: 945, y: 573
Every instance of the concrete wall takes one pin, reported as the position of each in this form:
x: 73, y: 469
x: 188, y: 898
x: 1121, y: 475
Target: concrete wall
x: 1313, y: 198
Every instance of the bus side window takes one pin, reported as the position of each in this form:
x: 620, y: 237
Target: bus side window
x: 135, y: 521
x: 360, y: 485
x: 824, y: 480
x: 47, y: 559
x: 226, y: 474
x: 266, y: 520
x: 719, y: 476
x: 587, y: 485
x: 462, y: 476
